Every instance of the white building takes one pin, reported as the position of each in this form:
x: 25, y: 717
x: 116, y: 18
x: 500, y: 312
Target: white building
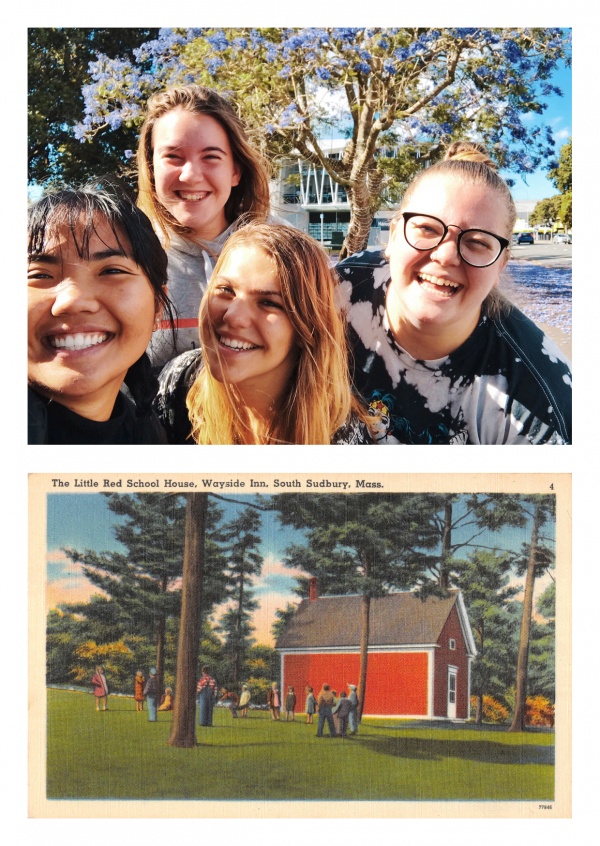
x: 307, y: 197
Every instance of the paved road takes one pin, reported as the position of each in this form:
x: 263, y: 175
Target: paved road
x: 543, y: 252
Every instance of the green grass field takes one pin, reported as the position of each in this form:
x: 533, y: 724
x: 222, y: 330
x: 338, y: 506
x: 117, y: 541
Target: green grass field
x: 118, y: 754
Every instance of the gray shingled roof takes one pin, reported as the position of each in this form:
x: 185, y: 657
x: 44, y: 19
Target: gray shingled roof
x: 396, y: 619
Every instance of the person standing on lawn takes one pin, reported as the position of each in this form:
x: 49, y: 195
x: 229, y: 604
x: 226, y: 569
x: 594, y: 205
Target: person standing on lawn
x: 274, y: 701
x: 290, y: 704
x: 353, y: 715
x: 138, y: 690
x: 244, y: 701
x: 151, y: 694
x: 342, y: 711
x: 310, y: 706
x: 207, y: 693
x: 100, y: 689
x: 325, y: 704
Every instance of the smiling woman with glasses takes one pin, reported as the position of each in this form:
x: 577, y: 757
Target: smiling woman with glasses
x: 455, y: 361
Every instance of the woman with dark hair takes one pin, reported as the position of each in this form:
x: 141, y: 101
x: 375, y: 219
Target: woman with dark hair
x: 197, y: 177
x: 96, y: 286
x: 439, y: 355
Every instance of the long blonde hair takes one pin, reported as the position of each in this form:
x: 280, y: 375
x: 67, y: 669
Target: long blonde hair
x: 319, y: 399
x: 250, y: 197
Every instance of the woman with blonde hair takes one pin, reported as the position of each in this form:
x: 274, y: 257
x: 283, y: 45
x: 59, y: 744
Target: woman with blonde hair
x: 439, y: 355
x: 273, y: 366
x: 197, y: 174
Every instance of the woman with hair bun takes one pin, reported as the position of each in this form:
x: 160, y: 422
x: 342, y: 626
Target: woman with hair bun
x: 197, y: 176
x: 440, y: 356
x: 273, y: 366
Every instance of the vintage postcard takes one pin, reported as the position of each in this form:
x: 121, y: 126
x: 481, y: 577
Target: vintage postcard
x: 300, y: 645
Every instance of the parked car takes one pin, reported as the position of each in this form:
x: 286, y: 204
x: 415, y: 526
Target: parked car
x: 525, y: 238
x: 562, y: 238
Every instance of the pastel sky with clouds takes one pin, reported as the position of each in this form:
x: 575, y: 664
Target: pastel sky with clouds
x: 83, y: 521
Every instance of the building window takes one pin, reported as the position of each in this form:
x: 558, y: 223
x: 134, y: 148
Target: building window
x: 452, y: 643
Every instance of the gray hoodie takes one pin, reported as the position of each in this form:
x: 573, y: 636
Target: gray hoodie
x: 189, y: 270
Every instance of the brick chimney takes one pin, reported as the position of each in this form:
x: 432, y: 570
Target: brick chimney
x: 313, y: 589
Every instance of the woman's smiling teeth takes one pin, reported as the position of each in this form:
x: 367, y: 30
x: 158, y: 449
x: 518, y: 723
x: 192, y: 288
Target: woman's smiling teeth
x: 451, y: 287
x: 79, y: 341
x: 200, y: 195
x: 234, y: 344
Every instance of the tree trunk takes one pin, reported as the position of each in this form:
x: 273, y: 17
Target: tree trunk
x: 161, y: 630
x: 160, y: 653
x: 479, y: 709
x: 183, y: 731
x: 364, y: 652
x: 444, y: 579
x: 361, y: 217
x: 518, y: 723
x: 479, y: 706
x: 238, y: 643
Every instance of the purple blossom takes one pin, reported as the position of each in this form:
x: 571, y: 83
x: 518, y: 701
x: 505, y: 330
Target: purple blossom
x: 272, y: 53
x: 256, y: 39
x: 129, y: 154
x: 390, y: 67
x: 345, y: 34
x: 79, y: 131
x: 512, y: 51
x: 218, y: 41
x: 362, y: 67
x: 323, y: 73
x: 213, y: 64
x: 114, y: 120
x: 295, y: 42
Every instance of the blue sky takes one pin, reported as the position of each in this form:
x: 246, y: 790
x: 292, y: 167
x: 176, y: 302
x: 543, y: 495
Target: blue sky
x: 558, y: 116
x: 83, y: 521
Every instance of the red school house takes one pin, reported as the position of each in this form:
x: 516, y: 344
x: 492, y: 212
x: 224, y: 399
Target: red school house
x: 419, y: 656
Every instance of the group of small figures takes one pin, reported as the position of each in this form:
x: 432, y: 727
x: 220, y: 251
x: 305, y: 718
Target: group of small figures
x: 340, y: 713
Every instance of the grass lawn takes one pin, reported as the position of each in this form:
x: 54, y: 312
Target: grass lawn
x: 118, y: 754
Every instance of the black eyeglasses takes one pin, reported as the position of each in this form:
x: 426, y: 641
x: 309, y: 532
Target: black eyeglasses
x: 475, y: 246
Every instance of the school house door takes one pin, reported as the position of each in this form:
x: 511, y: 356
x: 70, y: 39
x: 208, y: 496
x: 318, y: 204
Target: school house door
x: 452, y: 673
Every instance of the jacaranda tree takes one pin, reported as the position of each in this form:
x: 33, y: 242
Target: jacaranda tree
x: 410, y: 89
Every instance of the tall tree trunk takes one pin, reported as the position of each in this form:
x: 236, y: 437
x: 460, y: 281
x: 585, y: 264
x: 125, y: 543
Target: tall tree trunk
x: 238, y: 644
x: 161, y: 630
x: 361, y: 218
x: 479, y: 706
x: 160, y: 652
x: 518, y: 723
x: 365, y: 610
x: 444, y: 579
x: 479, y: 709
x: 183, y: 731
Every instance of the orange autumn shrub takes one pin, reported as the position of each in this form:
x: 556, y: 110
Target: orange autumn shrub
x: 493, y: 710
x: 539, y: 711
